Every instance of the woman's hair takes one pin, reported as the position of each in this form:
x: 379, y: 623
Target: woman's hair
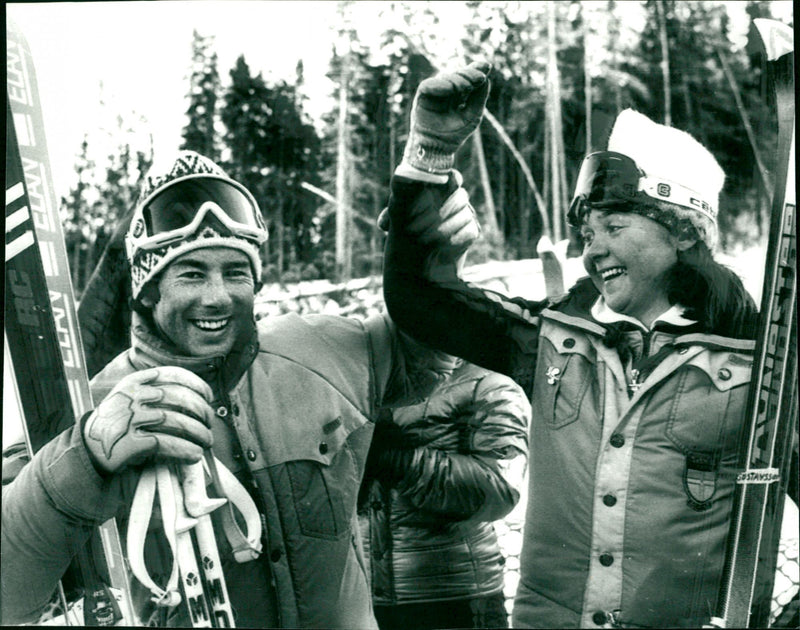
x: 713, y: 294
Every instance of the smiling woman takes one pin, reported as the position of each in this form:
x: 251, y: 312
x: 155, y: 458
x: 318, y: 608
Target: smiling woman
x: 629, y: 258
x: 647, y: 214
x: 638, y: 377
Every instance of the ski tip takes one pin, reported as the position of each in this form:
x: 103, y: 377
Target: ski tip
x: 777, y: 37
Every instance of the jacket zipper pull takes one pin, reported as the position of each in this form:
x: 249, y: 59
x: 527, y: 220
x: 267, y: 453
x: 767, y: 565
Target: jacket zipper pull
x: 634, y: 385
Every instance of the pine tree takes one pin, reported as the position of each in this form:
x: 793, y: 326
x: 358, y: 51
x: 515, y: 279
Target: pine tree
x: 273, y: 150
x: 201, y: 132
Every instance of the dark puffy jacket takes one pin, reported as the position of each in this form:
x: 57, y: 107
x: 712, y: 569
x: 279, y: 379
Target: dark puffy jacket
x: 431, y: 538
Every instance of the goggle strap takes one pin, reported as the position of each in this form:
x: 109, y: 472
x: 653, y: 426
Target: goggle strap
x: 158, y: 240
x: 680, y: 195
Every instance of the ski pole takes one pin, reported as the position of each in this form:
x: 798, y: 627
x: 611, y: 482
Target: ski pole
x: 174, y: 514
x: 200, y: 505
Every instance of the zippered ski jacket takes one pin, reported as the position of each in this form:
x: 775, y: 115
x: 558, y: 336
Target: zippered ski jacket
x: 293, y: 420
x: 430, y: 538
x: 630, y: 488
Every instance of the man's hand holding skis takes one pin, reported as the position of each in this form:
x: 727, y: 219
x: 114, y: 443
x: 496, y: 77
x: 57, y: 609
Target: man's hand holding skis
x: 158, y: 414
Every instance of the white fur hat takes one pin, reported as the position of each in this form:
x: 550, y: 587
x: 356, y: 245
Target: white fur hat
x: 679, y: 170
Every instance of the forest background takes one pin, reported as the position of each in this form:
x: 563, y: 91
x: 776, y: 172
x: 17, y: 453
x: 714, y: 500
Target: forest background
x: 308, y: 104
x: 320, y: 164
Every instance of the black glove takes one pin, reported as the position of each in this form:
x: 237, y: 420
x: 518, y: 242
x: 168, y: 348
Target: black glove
x: 390, y: 454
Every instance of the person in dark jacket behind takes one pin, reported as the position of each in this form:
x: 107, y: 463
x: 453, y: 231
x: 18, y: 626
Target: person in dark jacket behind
x: 435, y: 480
x: 288, y: 403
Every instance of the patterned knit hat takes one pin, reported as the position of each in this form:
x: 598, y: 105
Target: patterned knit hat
x: 685, y: 175
x: 202, y: 176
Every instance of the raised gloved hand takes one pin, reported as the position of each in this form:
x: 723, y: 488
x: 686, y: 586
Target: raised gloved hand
x: 447, y: 109
x: 157, y: 414
x: 447, y: 227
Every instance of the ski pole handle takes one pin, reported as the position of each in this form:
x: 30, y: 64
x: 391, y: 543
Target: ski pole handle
x: 171, y: 495
x: 200, y: 505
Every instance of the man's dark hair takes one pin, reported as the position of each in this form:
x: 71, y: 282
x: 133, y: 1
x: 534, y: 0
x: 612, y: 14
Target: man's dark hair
x: 149, y: 290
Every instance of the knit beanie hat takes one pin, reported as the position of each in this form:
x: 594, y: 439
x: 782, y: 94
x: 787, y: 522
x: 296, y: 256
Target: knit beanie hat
x: 687, y: 179
x: 145, y: 263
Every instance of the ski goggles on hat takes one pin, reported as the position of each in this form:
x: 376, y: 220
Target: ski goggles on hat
x: 177, y: 211
x: 607, y: 178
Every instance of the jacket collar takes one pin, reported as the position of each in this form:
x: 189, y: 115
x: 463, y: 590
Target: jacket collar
x: 149, y: 349
x: 575, y: 309
x: 673, y: 316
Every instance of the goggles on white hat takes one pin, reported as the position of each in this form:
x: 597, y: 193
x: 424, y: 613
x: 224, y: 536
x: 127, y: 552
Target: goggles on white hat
x: 607, y: 178
x: 176, y: 211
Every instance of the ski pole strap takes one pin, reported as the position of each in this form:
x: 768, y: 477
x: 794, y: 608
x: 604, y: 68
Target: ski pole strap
x: 138, y: 524
x: 179, y: 508
x: 246, y: 545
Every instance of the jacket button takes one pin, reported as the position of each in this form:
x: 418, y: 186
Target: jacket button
x: 251, y: 455
x: 606, y: 559
x: 569, y: 342
x: 275, y: 555
x: 323, y: 447
x: 599, y: 618
x: 609, y: 500
x: 222, y: 411
x: 617, y: 440
x: 724, y: 374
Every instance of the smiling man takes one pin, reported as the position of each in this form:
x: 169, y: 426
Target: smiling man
x: 286, y: 403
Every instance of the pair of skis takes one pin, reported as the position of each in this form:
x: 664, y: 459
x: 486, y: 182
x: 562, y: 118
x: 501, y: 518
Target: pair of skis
x: 44, y: 359
x: 42, y: 344
x: 771, y: 422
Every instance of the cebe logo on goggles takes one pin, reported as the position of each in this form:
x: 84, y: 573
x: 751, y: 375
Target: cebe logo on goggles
x: 177, y: 211
x: 607, y: 178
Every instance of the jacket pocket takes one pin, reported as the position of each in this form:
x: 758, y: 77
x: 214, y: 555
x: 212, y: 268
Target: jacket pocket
x: 564, y: 373
x: 318, y: 500
x: 707, y: 412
